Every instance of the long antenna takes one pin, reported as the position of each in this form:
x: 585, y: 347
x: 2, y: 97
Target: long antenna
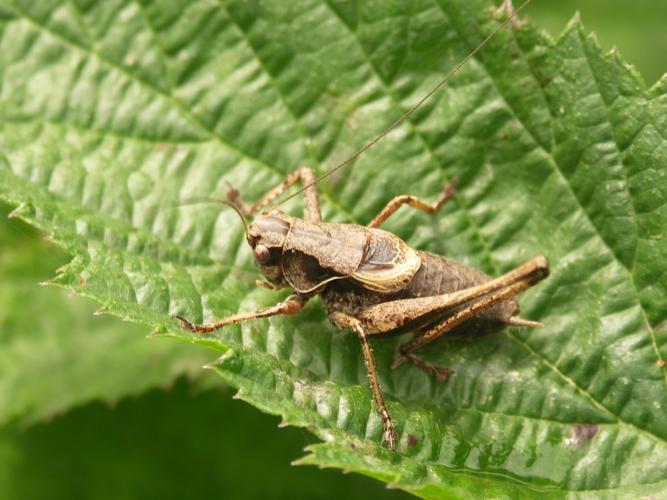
x: 414, y: 108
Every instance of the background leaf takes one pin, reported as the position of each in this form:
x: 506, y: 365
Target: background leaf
x: 560, y: 149
x: 55, y: 354
x: 139, y: 454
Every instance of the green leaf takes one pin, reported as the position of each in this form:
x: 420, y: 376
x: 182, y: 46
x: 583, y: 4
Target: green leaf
x: 115, y: 112
x: 55, y: 354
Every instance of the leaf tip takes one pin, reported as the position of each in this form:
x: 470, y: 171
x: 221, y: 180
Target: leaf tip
x: 574, y: 24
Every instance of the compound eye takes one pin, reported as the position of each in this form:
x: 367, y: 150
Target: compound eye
x: 262, y: 253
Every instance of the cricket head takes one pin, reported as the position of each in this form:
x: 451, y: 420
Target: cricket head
x: 266, y: 235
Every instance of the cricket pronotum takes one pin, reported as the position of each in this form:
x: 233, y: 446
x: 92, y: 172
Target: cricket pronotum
x: 370, y: 281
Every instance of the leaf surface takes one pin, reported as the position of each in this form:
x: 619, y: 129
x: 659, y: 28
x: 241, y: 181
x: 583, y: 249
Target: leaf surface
x: 115, y: 112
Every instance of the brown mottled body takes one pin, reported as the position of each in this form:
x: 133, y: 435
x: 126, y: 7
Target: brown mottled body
x: 374, y: 284
x: 371, y: 281
x: 437, y: 275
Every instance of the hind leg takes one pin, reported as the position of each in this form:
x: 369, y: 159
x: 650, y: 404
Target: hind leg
x: 405, y: 352
x: 392, y: 315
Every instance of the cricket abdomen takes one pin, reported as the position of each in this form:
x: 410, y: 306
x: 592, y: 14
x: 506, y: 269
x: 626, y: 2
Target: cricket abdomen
x: 438, y: 275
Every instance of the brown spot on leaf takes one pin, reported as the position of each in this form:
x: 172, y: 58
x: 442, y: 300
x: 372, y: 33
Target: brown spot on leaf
x: 580, y: 434
x: 412, y: 440
x: 661, y: 363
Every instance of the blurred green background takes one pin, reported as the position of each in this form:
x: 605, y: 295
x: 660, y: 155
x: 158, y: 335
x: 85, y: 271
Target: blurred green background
x: 158, y: 426
x: 637, y: 28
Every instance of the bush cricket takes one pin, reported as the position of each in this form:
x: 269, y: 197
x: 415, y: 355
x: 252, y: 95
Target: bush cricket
x: 370, y: 281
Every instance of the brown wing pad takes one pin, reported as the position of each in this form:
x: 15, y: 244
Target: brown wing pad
x: 389, y: 263
x: 303, y: 272
x: 339, y: 248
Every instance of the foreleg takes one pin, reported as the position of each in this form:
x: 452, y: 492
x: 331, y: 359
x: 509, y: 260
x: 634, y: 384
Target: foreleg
x: 292, y: 305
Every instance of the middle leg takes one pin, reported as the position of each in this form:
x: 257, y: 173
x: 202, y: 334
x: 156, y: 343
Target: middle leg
x: 346, y: 321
